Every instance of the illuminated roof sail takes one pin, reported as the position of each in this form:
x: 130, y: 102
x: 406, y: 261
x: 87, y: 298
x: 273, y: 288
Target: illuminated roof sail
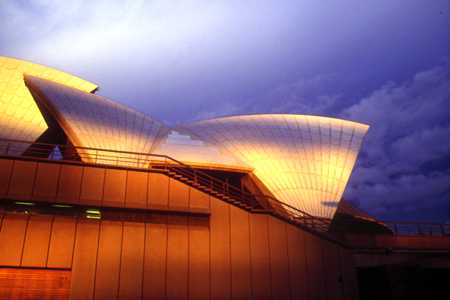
x: 20, y: 117
x: 305, y: 161
x: 96, y: 122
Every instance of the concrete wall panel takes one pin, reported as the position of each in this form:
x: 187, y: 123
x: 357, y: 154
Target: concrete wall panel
x: 299, y: 278
x: 22, y: 179
x: 158, y: 190
x: 177, y: 258
x: 84, y: 260
x: 92, y: 186
x: 333, y: 279
x: 69, y: 185
x: 5, y: 175
x: 198, y: 199
x: 260, y: 256
x: 37, y: 239
x: 316, y: 283
x: 136, y: 193
x: 240, y: 254
x: 115, y: 186
x: 220, y: 250
x: 108, y: 260
x: 46, y: 183
x: 62, y: 242
x: 199, y: 258
x: 12, y: 237
x: 178, y: 194
x: 154, y: 280
x: 279, y: 259
x: 132, y: 261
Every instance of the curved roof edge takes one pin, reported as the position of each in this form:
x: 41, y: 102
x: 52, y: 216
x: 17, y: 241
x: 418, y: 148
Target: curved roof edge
x: 83, y: 84
x: 276, y: 115
x: 20, y: 117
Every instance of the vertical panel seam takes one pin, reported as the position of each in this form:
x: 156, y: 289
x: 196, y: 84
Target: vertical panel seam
x: 229, y: 253
x: 49, y: 240
x: 270, y: 255
x: 188, y: 256
x: 2, y: 216
x: 165, y: 262
x: 11, y: 171
x: 125, y: 196
x: 209, y: 254
x: 147, y: 193
x: 308, y: 289
x: 209, y: 245
x: 55, y: 198
x: 36, y: 169
x: 103, y: 187
x: 288, y: 260
x: 120, y: 259
x: 143, y: 259
x: 75, y: 238
x: 250, y: 255
x: 96, y: 259
x: 24, y: 240
x: 169, y: 180
x: 81, y: 184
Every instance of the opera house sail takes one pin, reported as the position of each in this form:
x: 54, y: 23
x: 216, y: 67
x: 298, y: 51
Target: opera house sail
x: 305, y: 161
x: 20, y: 116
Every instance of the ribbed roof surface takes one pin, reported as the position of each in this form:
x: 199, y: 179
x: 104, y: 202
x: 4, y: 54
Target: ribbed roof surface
x: 20, y: 116
x: 305, y: 161
x: 94, y: 121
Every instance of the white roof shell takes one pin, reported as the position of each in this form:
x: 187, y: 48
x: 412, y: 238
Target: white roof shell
x: 305, y: 161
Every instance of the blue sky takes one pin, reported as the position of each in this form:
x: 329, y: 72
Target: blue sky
x: 385, y: 63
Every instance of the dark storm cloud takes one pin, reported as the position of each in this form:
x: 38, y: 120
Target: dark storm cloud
x: 404, y: 167
x: 379, y: 62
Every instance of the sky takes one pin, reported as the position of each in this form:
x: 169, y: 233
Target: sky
x: 384, y: 63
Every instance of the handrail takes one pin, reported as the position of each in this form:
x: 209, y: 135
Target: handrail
x: 411, y: 228
x: 161, y: 162
x: 144, y: 160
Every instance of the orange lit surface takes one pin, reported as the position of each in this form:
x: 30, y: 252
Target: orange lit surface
x: 20, y: 117
x: 33, y: 284
x: 305, y: 161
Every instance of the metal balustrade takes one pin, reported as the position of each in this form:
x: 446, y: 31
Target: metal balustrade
x: 171, y: 167
x: 196, y: 178
x: 418, y: 228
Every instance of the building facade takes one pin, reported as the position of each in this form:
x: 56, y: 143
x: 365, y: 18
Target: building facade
x: 99, y: 201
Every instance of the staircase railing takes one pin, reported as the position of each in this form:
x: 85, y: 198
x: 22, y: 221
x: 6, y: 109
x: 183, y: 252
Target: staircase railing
x: 169, y: 165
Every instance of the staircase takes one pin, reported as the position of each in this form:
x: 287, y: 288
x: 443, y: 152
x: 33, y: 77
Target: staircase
x: 211, y: 186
